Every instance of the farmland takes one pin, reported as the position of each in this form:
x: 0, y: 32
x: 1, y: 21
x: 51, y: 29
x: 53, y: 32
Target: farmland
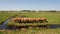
x: 52, y: 17
x: 32, y: 31
x: 4, y: 16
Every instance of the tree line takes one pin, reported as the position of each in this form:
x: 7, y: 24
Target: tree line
x: 31, y: 11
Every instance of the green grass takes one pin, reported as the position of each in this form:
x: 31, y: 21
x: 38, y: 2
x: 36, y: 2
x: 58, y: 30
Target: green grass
x: 52, y: 17
x: 32, y: 31
x: 4, y: 16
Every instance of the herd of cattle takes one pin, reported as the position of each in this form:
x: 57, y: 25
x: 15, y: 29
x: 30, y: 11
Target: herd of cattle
x: 30, y: 20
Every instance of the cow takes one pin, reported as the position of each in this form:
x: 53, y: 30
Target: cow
x: 43, y: 20
x: 30, y: 20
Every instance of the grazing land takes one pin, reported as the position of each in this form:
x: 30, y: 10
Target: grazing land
x: 52, y: 17
x: 32, y: 31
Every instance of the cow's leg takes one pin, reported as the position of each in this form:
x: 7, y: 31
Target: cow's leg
x: 45, y: 21
x: 41, y: 21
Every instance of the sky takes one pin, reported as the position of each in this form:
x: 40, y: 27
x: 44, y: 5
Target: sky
x: 29, y: 4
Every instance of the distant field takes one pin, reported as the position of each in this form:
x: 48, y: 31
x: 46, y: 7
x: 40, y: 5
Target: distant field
x: 52, y: 17
x: 5, y: 15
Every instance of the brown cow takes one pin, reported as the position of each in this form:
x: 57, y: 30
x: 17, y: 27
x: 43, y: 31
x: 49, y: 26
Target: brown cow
x: 44, y: 19
x: 30, y: 20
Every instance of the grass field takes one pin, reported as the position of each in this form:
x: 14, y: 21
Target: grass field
x: 52, y: 17
x: 32, y: 31
x: 5, y: 15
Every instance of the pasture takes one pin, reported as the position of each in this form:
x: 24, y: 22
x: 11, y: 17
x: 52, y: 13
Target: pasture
x: 52, y: 17
x: 32, y: 31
